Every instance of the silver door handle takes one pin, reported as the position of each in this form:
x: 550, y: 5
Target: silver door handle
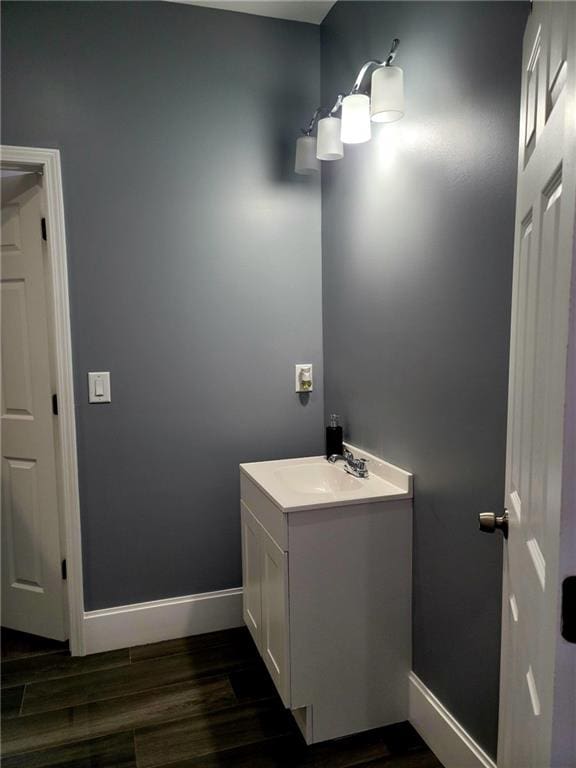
x: 489, y: 522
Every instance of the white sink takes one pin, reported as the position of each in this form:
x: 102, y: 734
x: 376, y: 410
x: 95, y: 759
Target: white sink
x: 317, y: 477
x: 296, y: 484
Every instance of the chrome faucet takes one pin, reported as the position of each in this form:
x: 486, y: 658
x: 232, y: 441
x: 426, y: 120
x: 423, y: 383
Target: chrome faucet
x: 356, y: 467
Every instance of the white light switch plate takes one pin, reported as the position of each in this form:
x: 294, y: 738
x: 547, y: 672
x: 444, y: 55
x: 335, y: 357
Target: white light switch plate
x: 99, y: 387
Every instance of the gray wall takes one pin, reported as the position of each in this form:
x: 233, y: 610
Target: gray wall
x: 194, y: 257
x: 417, y: 264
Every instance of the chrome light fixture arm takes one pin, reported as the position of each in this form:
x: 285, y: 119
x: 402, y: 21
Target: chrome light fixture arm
x: 312, y: 124
x: 361, y: 75
x: 321, y: 111
x: 375, y: 63
x: 337, y: 104
x: 392, y: 53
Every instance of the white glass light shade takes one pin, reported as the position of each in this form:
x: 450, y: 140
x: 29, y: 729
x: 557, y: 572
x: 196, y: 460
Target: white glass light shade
x: 355, y: 119
x: 306, y: 160
x: 387, y: 103
x: 329, y: 145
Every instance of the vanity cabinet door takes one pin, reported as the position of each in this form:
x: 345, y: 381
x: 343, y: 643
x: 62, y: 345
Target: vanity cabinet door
x: 252, y: 575
x: 275, y: 615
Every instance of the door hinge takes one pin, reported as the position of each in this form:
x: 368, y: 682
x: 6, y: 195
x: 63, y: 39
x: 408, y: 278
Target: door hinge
x: 55, y: 405
x: 569, y: 609
x: 43, y: 228
x: 64, y: 570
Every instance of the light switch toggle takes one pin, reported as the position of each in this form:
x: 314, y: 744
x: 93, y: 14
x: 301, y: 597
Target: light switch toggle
x: 99, y: 387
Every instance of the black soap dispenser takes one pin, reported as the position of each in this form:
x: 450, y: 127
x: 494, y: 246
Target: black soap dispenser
x: 334, y: 445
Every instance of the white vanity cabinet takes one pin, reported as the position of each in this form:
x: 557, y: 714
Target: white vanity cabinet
x: 326, y: 562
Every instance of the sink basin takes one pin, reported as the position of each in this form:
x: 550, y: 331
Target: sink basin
x: 317, y: 477
x: 298, y: 484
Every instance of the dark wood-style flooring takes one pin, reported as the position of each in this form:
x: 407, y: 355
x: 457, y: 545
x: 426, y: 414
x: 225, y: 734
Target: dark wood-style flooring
x: 198, y: 702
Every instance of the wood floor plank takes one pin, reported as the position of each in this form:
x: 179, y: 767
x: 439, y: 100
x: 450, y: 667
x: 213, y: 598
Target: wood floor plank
x: 291, y: 752
x: 194, y: 644
x: 253, y: 683
x: 345, y: 753
x: 152, y: 707
x: 425, y: 759
x: 400, y: 737
x: 193, y: 737
x: 19, y: 645
x: 58, y: 665
x: 283, y: 752
x: 10, y: 702
x: 356, y: 750
x: 132, y: 678
x: 108, y: 752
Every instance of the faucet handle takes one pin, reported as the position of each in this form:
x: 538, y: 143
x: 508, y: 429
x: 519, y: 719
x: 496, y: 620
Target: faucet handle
x: 361, y: 467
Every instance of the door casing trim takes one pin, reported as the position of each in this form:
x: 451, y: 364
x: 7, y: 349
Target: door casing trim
x: 47, y: 161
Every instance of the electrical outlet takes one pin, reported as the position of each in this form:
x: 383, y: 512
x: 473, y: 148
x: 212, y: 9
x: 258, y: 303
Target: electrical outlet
x: 304, y: 377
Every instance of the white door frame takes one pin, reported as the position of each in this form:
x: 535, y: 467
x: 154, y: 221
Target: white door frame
x: 47, y: 161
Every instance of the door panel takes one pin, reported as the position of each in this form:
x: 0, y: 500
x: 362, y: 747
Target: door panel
x: 23, y: 527
x: 275, y: 614
x: 33, y: 598
x: 251, y: 575
x: 530, y: 105
x: 558, y: 53
x: 16, y: 373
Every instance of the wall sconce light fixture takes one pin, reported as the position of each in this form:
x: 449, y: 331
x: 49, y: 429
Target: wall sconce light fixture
x: 356, y: 127
x: 306, y: 161
x: 385, y: 104
x: 387, y: 95
x: 329, y: 145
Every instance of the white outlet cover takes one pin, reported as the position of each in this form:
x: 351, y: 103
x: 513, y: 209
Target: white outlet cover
x: 301, y: 368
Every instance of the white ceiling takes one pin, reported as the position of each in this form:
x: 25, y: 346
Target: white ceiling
x: 312, y: 11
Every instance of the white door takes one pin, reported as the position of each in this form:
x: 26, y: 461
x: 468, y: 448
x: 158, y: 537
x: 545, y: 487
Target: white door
x: 33, y: 596
x: 544, y: 243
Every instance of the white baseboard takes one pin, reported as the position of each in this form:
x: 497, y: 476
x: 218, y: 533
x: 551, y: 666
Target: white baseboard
x: 451, y: 744
x: 141, y: 623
